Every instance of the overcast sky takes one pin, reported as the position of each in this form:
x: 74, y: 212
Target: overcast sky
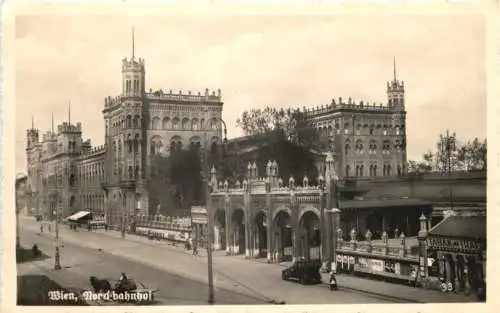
x: 256, y: 61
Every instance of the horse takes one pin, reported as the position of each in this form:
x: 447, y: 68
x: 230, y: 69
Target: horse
x: 100, y: 285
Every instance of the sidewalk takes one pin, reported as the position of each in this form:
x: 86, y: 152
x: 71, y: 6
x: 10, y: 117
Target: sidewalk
x: 232, y: 271
x: 68, y: 280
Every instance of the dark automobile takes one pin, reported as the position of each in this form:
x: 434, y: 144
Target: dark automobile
x: 304, y: 271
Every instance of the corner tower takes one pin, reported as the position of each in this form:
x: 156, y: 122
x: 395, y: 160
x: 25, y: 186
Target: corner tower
x: 133, y: 74
x: 396, y: 92
x: 32, y: 136
x: 396, y: 103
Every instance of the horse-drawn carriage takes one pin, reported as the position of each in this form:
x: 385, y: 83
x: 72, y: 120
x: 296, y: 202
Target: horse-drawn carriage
x: 126, y: 290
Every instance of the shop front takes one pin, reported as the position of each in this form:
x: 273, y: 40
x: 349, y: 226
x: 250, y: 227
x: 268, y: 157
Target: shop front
x: 394, y: 269
x: 457, y: 253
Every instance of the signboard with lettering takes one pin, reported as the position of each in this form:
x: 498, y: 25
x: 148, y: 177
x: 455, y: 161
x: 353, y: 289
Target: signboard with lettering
x: 456, y: 244
x: 363, y: 262
x: 377, y: 265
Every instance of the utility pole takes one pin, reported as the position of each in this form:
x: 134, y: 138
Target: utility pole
x: 210, y: 223
x: 448, y: 145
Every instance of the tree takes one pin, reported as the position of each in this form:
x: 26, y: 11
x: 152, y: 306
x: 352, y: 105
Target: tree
x: 452, y: 154
x: 175, y: 181
x: 294, y: 123
x: 472, y: 155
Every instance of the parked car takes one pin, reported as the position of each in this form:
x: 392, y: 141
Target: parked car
x: 305, y: 271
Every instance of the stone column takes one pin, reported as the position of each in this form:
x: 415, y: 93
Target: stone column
x: 295, y: 228
x: 276, y: 245
x: 456, y: 281
x: 248, y: 233
x: 257, y: 243
x: 270, y: 234
x: 216, y: 238
x: 229, y: 238
x: 467, y: 287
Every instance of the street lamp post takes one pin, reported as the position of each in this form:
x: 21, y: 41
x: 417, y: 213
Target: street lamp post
x: 209, y: 220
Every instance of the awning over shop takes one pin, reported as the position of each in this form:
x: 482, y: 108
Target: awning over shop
x: 382, y: 203
x: 82, y: 215
x: 461, y: 226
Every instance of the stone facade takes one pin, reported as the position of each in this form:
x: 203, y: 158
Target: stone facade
x: 66, y: 172
x: 370, y: 139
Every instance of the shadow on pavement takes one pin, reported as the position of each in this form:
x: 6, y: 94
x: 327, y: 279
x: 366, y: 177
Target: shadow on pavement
x: 34, y: 290
x: 28, y: 255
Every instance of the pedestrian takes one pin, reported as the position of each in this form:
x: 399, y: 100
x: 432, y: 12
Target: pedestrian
x: 41, y: 228
x: 332, y: 281
x: 106, y: 226
x: 195, y: 248
x: 49, y: 228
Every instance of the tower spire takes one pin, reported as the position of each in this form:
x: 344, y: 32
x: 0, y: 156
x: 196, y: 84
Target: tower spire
x: 52, y: 122
x: 133, y: 43
x: 69, y: 113
x: 32, y: 122
x: 395, y: 77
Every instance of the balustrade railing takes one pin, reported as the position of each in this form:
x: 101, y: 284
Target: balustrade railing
x: 382, y: 249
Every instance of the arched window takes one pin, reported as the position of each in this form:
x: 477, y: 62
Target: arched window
x: 136, y: 143
x: 371, y: 170
x: 156, y: 145
x: 175, y: 123
x: 359, y: 146
x: 130, y: 172
x: 213, y: 124
x: 347, y: 146
x: 386, y: 147
x: 129, y: 143
x: 136, y: 172
x: 374, y: 170
x: 185, y: 123
x: 155, y: 123
x: 400, y: 173
x: 347, y: 170
x: 194, y: 124
x: 129, y: 121
x: 166, y: 124
x: 361, y: 170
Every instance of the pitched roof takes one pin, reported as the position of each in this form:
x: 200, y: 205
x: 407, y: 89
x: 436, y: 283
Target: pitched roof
x: 461, y: 226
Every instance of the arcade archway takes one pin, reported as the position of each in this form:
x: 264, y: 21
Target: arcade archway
x: 260, y: 235
x: 238, y: 222
x: 220, y: 230
x: 283, y: 236
x: 309, y: 236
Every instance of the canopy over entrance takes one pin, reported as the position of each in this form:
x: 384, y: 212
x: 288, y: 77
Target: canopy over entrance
x: 80, y: 216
